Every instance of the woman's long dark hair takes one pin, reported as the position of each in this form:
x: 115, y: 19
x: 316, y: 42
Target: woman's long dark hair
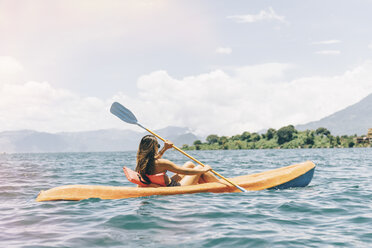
x: 146, y: 156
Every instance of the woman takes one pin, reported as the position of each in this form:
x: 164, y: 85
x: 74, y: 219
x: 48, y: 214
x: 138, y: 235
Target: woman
x: 150, y: 165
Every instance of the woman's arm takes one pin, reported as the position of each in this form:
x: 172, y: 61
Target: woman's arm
x: 167, y: 145
x: 170, y: 166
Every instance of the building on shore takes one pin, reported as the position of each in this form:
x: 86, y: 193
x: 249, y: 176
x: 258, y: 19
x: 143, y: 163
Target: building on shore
x: 365, y: 139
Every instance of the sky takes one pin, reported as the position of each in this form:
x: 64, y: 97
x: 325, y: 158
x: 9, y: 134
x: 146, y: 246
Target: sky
x: 214, y: 66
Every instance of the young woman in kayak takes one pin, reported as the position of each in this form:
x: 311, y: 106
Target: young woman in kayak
x: 150, y: 166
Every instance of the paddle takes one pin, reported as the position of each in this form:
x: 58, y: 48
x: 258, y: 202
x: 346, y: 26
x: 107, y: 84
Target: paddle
x: 126, y: 115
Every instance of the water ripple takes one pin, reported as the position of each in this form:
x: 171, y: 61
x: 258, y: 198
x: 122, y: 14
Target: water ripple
x: 335, y: 210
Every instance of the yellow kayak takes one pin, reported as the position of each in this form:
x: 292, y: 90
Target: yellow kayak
x: 297, y: 175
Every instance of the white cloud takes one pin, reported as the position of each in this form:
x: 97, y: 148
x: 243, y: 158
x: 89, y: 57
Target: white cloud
x: 39, y: 106
x: 224, y: 50
x: 326, y: 42
x: 263, y: 15
x: 370, y: 46
x: 250, y: 98
x: 328, y: 52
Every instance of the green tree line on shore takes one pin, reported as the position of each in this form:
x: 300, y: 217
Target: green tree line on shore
x: 284, y: 138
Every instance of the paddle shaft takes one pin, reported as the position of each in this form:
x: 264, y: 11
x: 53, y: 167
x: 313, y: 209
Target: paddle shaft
x: 197, y: 161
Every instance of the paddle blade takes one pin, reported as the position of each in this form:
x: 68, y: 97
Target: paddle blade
x: 123, y: 113
x: 241, y: 189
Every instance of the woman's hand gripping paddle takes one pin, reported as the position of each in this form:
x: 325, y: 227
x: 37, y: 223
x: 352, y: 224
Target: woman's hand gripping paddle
x: 126, y: 115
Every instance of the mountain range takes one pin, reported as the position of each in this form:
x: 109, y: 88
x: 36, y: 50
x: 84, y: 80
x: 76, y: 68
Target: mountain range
x: 355, y: 119
x: 28, y: 141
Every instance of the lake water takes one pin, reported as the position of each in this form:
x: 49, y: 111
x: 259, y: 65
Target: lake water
x: 335, y: 210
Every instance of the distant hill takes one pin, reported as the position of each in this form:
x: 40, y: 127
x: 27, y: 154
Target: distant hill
x: 355, y: 119
x: 25, y: 141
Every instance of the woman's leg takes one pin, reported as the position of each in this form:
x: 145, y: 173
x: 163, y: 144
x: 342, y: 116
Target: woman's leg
x: 178, y: 177
x: 191, y: 179
x: 195, y: 179
x: 209, y: 177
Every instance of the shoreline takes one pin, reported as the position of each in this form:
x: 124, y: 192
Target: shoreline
x: 285, y: 138
x: 303, y: 148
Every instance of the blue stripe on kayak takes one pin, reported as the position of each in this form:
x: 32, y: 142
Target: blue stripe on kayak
x: 300, y: 181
